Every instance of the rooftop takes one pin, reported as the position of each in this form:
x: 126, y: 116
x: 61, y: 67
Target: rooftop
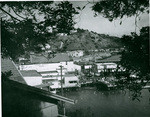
x: 30, y: 73
x: 115, y: 58
x: 59, y: 57
x: 8, y: 65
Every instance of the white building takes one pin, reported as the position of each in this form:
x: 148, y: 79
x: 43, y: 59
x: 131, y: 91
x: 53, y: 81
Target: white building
x: 68, y: 81
x: 41, y: 63
x: 71, y: 80
x: 75, y: 53
x: 50, y: 68
x: 109, y: 64
x: 31, y: 77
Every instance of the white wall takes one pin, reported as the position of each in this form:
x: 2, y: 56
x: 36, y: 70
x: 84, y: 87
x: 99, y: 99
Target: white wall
x: 88, y: 66
x: 49, y: 74
x: 72, y: 78
x: 32, y: 81
x: 108, y: 65
x: 41, y: 67
x: 77, y: 53
x: 57, y: 84
x: 68, y: 66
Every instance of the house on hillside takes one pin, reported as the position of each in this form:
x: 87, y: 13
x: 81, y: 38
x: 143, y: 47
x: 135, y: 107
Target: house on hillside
x: 75, y: 53
x: 75, y: 49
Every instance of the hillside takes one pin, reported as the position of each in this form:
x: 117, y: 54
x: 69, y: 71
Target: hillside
x: 85, y: 40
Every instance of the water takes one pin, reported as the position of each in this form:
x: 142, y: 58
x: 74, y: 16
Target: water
x: 92, y: 103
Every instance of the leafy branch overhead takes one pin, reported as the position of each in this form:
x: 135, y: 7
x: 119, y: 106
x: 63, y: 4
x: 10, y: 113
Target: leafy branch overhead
x: 25, y: 25
x: 113, y: 9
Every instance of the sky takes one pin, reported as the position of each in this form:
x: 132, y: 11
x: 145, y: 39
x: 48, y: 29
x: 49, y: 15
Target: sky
x: 101, y: 25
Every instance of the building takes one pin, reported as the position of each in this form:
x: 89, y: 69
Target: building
x: 71, y: 80
x: 75, y: 53
x: 68, y: 81
x: 41, y: 63
x: 108, y: 64
x: 32, y: 77
x: 50, y: 68
x: 8, y: 65
x: 22, y: 100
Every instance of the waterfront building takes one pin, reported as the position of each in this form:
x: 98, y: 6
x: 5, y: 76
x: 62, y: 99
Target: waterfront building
x: 50, y: 68
x: 71, y: 80
x: 42, y: 63
x: 109, y: 64
x: 68, y: 81
x: 32, y: 77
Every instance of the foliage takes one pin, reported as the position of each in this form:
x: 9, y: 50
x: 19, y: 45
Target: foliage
x: 113, y: 9
x: 135, y: 60
x: 88, y: 40
x: 135, y: 57
x: 27, y: 25
x: 6, y: 75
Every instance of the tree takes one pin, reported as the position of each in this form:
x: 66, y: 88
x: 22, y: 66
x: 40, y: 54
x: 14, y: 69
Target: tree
x: 113, y: 9
x: 135, y: 57
x: 26, y: 25
x: 135, y: 60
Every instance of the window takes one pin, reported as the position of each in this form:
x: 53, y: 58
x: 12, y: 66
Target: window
x: 72, y: 81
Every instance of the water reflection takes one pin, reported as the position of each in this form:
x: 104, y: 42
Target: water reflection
x: 116, y: 103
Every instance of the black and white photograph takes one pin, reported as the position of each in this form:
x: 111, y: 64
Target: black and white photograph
x: 75, y: 58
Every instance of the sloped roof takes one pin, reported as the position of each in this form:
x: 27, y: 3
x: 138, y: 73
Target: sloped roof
x: 8, y: 65
x: 59, y: 57
x: 30, y: 73
x: 115, y: 58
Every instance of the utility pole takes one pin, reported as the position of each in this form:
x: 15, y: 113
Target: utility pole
x: 63, y: 104
x: 61, y: 79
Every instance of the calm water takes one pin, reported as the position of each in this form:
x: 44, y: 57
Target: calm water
x: 92, y: 103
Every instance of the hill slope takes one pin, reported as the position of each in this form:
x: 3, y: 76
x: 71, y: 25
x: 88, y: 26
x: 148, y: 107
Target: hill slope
x: 86, y: 40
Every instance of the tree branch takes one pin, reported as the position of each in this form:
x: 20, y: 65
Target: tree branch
x: 9, y: 14
x: 17, y: 14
